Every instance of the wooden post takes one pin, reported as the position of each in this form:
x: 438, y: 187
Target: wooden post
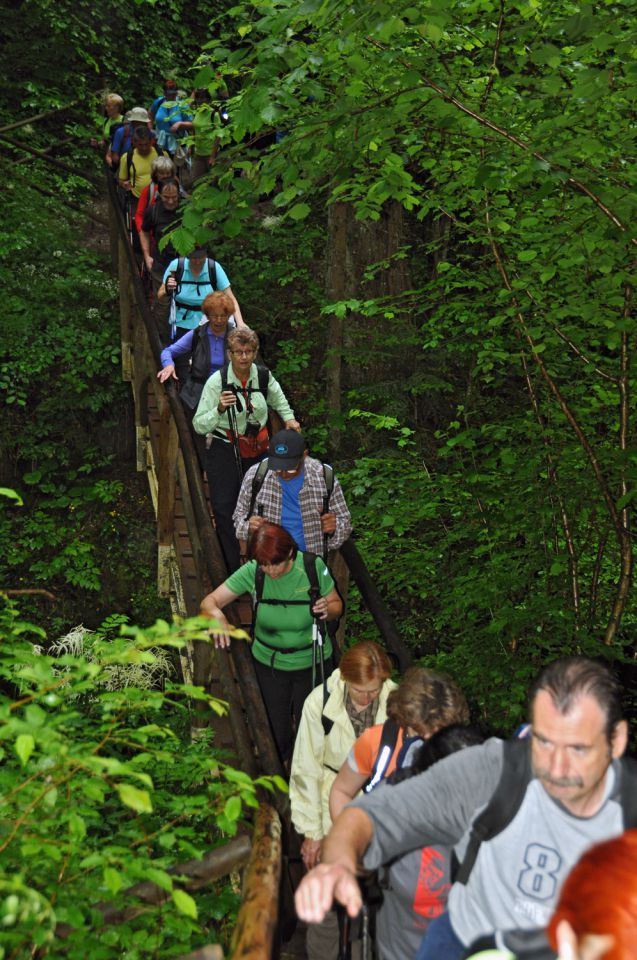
x: 168, y: 445
x: 257, y: 919
x: 125, y: 312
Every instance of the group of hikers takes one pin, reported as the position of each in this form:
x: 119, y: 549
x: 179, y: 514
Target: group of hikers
x: 417, y: 832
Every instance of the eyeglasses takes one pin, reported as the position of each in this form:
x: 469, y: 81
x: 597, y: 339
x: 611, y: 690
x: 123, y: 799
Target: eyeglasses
x: 243, y: 353
x: 217, y: 316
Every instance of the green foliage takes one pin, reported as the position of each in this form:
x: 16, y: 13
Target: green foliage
x: 100, y: 791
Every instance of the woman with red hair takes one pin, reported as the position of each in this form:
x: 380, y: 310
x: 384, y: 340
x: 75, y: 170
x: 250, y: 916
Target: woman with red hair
x: 596, y: 916
x: 285, y: 657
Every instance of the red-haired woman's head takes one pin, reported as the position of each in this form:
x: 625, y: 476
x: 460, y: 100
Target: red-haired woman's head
x: 270, y: 543
x: 599, y: 896
x: 365, y: 663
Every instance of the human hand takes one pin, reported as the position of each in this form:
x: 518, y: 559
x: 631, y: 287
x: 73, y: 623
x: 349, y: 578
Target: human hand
x: 227, y: 399
x: 328, y: 522
x: 310, y: 852
x: 218, y: 634
x: 293, y: 425
x: 327, y: 882
x: 320, y: 608
x: 148, y: 260
x: 171, y: 284
x: 254, y: 523
x: 176, y: 126
x: 167, y: 372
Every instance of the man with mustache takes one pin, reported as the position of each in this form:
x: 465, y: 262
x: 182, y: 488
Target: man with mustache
x: 556, y: 793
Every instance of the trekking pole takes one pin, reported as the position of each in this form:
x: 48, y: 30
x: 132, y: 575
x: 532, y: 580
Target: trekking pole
x: 318, y: 641
x: 232, y: 420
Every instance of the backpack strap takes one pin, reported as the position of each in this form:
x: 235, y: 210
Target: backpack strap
x: 503, y: 806
x: 328, y: 477
x: 212, y: 273
x: 264, y: 379
x: 257, y: 483
x: 179, y: 272
x: 386, y: 747
x: 629, y: 792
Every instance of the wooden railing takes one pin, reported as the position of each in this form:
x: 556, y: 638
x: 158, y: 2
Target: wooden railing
x: 171, y: 464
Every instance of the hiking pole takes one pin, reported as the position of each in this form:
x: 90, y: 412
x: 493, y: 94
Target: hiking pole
x: 318, y: 640
x: 232, y: 420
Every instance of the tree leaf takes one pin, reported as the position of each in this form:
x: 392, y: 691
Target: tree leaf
x: 299, y: 211
x: 135, y: 798
x: 24, y: 746
x: 185, y: 903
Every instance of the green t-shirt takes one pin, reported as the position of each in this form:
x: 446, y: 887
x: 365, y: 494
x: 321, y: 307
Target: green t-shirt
x: 279, y: 626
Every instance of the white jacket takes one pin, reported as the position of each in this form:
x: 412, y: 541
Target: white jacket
x: 318, y: 758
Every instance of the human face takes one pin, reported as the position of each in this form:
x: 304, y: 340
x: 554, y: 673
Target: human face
x: 143, y: 147
x: 112, y: 109
x: 362, y: 694
x: 276, y: 570
x: 571, y: 752
x: 170, y: 198
x: 242, y: 357
x: 196, y: 264
x: 218, y: 323
x: 290, y: 474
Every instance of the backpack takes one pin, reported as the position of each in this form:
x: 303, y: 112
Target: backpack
x: 212, y: 275
x: 130, y: 166
x: 264, y: 382
x: 259, y: 477
x: 507, y: 799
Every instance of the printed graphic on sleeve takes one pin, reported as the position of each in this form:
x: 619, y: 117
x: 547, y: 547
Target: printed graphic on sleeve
x: 432, y: 887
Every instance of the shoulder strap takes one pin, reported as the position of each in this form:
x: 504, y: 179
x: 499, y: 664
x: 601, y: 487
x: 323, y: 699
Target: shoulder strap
x: 179, y: 272
x: 212, y: 273
x: 328, y: 477
x: 309, y: 562
x: 129, y: 162
x: 326, y: 723
x: 264, y: 379
x: 224, y: 376
x: 388, y: 739
x: 503, y: 805
x: 629, y: 792
x: 257, y: 483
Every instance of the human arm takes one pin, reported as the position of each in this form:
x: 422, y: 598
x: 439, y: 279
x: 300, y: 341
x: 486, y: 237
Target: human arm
x: 239, y: 516
x: 347, y: 784
x: 237, y: 309
x: 208, y: 417
x: 180, y: 348
x: 142, y: 206
x: 338, y: 518
x: 212, y: 606
x: 279, y: 402
x: 335, y: 876
x: 124, y: 182
x: 307, y: 773
x: 145, y: 240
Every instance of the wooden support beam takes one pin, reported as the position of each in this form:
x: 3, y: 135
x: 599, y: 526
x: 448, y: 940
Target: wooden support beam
x: 213, y: 865
x: 17, y: 145
x: 168, y: 447
x: 253, y: 935
x: 41, y: 116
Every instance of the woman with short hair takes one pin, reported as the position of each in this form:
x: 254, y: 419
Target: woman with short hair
x: 284, y: 653
x: 234, y: 409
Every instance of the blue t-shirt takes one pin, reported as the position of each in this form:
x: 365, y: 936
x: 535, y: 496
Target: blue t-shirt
x: 194, y: 291
x: 183, y: 347
x: 291, y: 519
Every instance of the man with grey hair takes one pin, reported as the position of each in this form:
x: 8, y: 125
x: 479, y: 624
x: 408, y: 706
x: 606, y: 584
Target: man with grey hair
x: 518, y: 813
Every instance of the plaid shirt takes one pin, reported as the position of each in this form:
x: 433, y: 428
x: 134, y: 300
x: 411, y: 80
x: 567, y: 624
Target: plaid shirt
x: 310, y: 501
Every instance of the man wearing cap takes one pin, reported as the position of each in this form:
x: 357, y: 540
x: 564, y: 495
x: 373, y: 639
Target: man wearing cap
x: 135, y: 167
x: 293, y: 493
x: 122, y: 139
x: 201, y: 275
x: 160, y: 218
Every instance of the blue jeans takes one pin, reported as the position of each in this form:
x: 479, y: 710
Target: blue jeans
x: 440, y: 942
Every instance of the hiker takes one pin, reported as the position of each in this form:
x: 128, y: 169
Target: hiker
x: 197, y: 355
x: 170, y: 118
x: 425, y: 702
x: 205, y: 132
x: 354, y: 698
x: 234, y: 409
x: 161, y: 169
x: 135, y: 119
x: 285, y: 656
x: 415, y: 887
x: 562, y: 789
x: 158, y: 219
x: 293, y: 491
x: 113, y: 119
x: 135, y: 167
x: 190, y: 280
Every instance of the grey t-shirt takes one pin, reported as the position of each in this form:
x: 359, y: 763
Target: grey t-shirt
x: 517, y: 876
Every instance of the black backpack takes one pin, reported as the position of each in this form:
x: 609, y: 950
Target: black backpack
x: 264, y: 382
x: 130, y: 166
x: 507, y: 799
x: 260, y: 475
x: 212, y: 275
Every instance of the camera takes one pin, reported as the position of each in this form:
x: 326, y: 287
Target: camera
x: 252, y: 429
